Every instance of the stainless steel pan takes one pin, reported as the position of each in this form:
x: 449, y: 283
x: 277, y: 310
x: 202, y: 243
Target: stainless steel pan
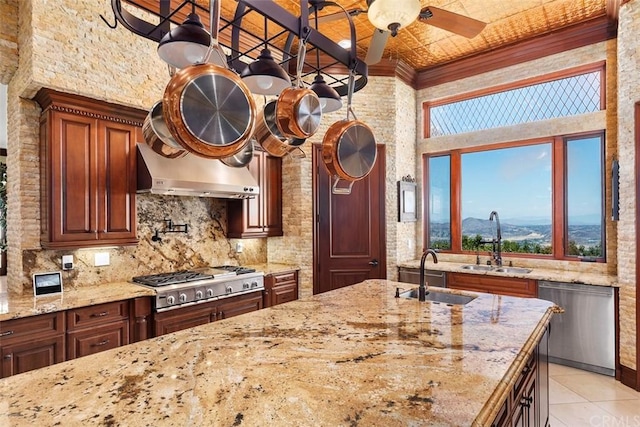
x: 157, y: 135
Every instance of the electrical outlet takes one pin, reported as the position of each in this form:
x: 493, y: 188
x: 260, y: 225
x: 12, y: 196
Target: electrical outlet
x: 239, y: 247
x: 67, y: 262
x: 101, y: 259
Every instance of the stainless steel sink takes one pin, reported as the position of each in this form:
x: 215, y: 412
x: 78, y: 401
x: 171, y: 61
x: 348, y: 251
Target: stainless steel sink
x: 477, y: 267
x: 440, y: 297
x: 514, y: 270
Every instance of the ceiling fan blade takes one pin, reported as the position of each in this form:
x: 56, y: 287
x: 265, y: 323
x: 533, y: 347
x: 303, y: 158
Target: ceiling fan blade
x: 337, y: 15
x: 376, y: 47
x: 450, y: 21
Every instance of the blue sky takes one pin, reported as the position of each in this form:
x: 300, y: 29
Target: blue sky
x: 517, y: 182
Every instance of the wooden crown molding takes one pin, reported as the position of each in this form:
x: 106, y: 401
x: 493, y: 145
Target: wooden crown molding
x: 579, y: 35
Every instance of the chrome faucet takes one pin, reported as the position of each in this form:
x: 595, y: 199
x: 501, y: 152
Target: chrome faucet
x: 422, y: 290
x: 497, y: 254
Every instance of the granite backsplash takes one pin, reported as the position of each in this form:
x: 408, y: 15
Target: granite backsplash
x: 203, y: 244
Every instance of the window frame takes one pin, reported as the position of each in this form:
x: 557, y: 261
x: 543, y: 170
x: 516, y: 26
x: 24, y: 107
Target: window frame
x: 559, y: 190
x: 570, y: 72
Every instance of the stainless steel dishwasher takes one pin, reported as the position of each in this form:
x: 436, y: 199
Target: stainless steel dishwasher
x: 584, y: 335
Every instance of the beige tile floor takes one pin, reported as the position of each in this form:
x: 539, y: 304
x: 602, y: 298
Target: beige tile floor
x: 579, y: 398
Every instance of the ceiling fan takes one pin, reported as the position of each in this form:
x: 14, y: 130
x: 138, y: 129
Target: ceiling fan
x: 389, y: 16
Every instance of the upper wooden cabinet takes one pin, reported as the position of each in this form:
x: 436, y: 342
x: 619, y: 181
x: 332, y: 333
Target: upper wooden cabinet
x: 262, y: 215
x: 88, y: 171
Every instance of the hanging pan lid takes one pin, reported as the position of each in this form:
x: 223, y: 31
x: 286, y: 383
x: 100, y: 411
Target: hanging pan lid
x: 209, y: 110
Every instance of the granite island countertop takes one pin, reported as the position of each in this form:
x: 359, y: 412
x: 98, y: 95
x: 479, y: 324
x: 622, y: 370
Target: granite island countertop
x: 355, y: 355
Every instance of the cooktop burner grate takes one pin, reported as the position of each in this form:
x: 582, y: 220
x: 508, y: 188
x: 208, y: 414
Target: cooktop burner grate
x: 236, y: 269
x: 174, y: 277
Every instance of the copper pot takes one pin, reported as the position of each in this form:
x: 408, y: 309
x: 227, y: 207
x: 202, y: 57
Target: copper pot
x: 298, y: 112
x: 349, y: 152
x: 268, y: 134
x: 157, y: 135
x: 209, y: 110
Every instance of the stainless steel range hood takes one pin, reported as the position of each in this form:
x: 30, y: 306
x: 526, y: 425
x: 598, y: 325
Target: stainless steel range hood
x: 192, y: 176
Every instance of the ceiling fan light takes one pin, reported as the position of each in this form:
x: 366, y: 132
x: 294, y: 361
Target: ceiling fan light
x: 186, y: 44
x: 384, y: 13
x: 329, y: 98
x: 264, y: 76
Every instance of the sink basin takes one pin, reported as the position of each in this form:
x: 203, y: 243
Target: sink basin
x: 477, y: 267
x: 440, y: 297
x: 515, y: 270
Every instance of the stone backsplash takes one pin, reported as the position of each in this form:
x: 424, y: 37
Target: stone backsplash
x: 203, y: 244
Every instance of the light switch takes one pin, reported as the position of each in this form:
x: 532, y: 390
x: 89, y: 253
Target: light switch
x: 101, y: 259
x: 239, y: 247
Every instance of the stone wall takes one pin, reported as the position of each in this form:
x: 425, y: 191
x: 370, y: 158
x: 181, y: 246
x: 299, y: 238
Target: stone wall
x: 628, y: 73
x: 8, y: 40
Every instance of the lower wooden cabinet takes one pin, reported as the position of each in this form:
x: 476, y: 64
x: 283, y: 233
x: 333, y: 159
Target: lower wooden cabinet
x: 528, y: 402
x: 31, y: 343
x: 97, y: 328
x: 200, y: 314
x: 513, y: 286
x: 280, y: 287
x: 96, y: 339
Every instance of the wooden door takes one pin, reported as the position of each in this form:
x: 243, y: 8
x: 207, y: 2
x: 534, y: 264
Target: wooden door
x: 27, y: 356
x: 349, y: 233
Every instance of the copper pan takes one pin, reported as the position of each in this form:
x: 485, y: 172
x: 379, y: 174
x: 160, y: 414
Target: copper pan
x: 269, y: 136
x: 298, y: 110
x: 209, y: 110
x: 157, y: 135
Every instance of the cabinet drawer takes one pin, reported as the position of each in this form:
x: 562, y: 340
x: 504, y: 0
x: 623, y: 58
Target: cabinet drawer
x: 95, y: 340
x: 97, y: 314
x: 284, y: 277
x: 284, y: 293
x: 28, y: 328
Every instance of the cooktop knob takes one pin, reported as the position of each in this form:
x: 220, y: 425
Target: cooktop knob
x: 254, y: 285
x: 183, y: 297
x: 209, y: 293
x: 199, y: 294
x: 171, y: 300
x: 245, y: 285
x: 229, y: 289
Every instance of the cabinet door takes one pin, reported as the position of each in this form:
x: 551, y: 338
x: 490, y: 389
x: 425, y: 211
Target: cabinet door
x: 240, y: 305
x: 73, y: 177
x: 513, y: 286
x: 96, y: 339
x: 262, y: 215
x: 26, y: 356
x: 272, y: 197
x: 183, y: 318
x: 117, y: 181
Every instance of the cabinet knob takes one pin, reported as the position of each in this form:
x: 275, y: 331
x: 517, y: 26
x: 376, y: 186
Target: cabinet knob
x: 101, y: 314
x: 8, y: 356
x: 7, y: 333
x: 101, y: 343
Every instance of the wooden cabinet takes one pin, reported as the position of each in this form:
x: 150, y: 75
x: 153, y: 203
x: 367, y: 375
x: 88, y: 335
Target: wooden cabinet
x: 200, y: 314
x: 262, y: 215
x: 87, y: 171
x: 241, y: 304
x: 528, y: 403
x: 280, y: 288
x: 513, y: 286
x: 31, y: 343
x: 97, y: 328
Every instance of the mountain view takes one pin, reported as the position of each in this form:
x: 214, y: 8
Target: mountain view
x: 588, y: 235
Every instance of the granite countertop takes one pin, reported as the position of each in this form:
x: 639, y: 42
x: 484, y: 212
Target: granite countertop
x: 15, y: 306
x: 353, y: 356
x: 273, y: 267
x: 537, y: 273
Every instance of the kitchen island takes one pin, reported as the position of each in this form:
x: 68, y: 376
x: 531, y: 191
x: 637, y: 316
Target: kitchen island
x: 353, y: 356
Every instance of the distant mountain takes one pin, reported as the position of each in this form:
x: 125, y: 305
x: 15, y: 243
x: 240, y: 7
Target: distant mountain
x: 588, y: 235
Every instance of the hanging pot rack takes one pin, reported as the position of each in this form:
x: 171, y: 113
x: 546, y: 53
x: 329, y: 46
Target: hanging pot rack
x: 336, y: 69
